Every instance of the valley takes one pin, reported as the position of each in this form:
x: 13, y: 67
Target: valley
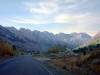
x: 61, y: 54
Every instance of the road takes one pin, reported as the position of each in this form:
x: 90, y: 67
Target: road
x: 23, y: 65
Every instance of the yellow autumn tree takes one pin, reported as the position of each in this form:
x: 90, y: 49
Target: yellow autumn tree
x: 5, y: 49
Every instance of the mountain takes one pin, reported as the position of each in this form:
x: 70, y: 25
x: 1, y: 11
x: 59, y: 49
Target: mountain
x: 18, y: 41
x: 97, y: 37
x: 74, y: 39
x: 41, y: 41
x: 36, y: 40
x: 95, y: 40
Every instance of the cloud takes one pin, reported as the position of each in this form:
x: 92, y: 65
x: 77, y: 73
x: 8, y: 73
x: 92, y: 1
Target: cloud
x: 79, y: 19
x: 68, y: 15
x: 44, y: 8
x: 88, y: 22
x: 68, y: 18
x: 53, y: 10
x: 70, y: 4
x: 61, y: 18
x: 20, y: 20
x: 47, y: 7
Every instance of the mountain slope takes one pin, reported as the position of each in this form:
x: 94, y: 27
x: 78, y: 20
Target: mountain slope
x: 41, y: 41
x: 95, y: 39
x: 74, y: 39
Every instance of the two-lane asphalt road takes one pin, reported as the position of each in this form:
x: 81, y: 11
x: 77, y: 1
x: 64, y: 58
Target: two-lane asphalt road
x: 23, y: 65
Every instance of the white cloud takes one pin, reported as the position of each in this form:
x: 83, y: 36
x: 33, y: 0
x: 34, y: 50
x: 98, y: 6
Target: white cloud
x: 62, y: 18
x: 79, y: 22
x: 41, y: 7
x: 73, y: 4
x: 28, y: 21
x: 68, y: 18
x: 52, y: 7
x: 49, y: 7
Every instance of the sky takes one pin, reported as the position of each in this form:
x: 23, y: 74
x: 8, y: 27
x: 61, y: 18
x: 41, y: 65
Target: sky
x: 55, y: 16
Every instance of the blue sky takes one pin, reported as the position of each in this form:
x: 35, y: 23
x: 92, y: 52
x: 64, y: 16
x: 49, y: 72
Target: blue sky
x: 52, y: 15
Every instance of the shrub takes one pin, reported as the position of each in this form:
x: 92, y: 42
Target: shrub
x: 5, y: 49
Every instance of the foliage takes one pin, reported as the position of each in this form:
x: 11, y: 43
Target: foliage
x: 87, y: 62
x: 56, y: 49
x: 5, y: 49
x: 87, y: 49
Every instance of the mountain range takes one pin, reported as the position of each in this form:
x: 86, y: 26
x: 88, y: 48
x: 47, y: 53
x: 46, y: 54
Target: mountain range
x: 41, y: 41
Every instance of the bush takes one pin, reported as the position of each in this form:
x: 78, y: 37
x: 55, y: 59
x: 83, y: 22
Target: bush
x: 5, y: 49
x: 56, y: 49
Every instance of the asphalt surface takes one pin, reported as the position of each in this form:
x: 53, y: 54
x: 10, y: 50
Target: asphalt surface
x: 23, y: 65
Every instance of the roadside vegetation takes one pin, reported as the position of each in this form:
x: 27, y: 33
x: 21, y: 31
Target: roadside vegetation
x: 81, y: 61
x: 7, y: 49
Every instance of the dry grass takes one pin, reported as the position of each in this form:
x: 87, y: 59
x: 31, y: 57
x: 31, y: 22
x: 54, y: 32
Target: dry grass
x: 90, y: 62
x: 58, y: 62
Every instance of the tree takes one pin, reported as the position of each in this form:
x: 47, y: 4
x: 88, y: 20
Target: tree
x: 56, y: 49
x: 98, y: 45
x: 5, y: 49
x: 14, y: 47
